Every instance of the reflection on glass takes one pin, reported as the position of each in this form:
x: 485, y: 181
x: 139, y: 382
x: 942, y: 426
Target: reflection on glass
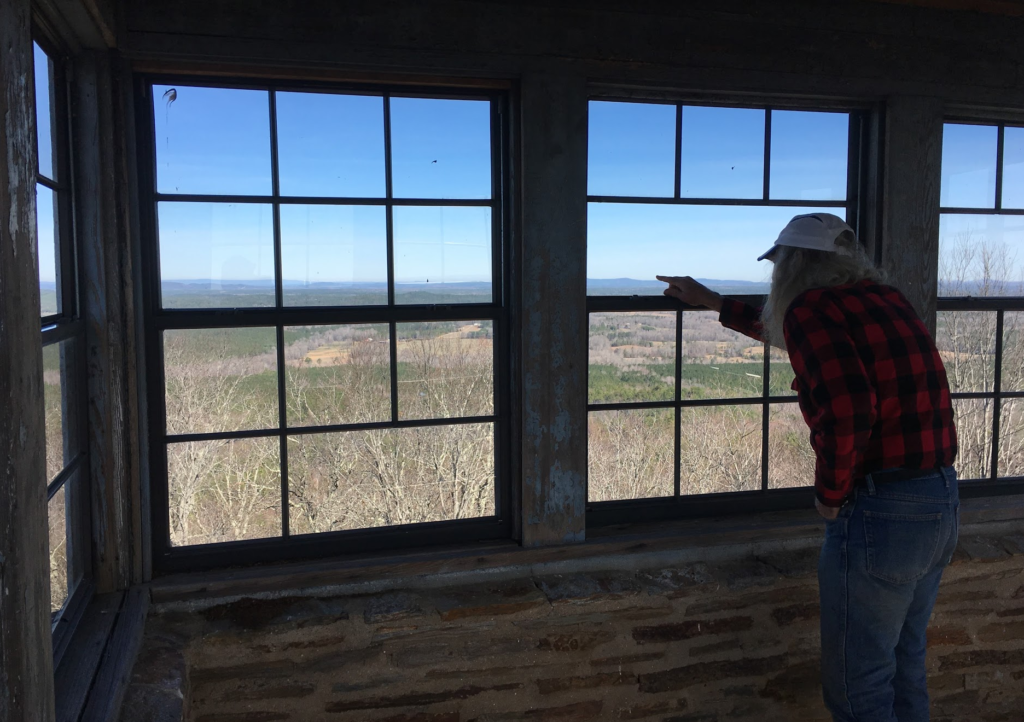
x: 43, y: 72
x: 330, y: 145
x: 631, y: 454
x: 1013, y: 167
x: 334, y: 255
x: 967, y: 344
x: 719, y: 363
x: 1011, y: 438
x: 1012, y: 378
x: 212, y: 140
x: 442, y: 254
x: 628, y: 244
x: 440, y: 148
x: 722, y: 153
x: 220, y: 379
x: 969, y: 166
x: 338, y: 374
x: 216, y: 255
x: 53, y: 402
x: 225, y: 490
x: 445, y: 369
x: 46, y: 232
x: 631, y: 149
x: 809, y: 155
x: 790, y: 456
x: 58, y: 536
x: 980, y: 255
x: 973, y: 418
x: 387, y: 477
x: 632, y: 357
x: 720, y: 449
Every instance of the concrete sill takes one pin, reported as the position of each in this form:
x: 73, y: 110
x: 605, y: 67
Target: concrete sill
x: 615, y: 548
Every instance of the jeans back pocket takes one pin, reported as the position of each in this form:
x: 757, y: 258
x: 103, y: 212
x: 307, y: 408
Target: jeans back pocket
x: 901, y: 548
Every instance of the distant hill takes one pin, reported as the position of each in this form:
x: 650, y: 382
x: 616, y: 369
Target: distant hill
x: 638, y: 287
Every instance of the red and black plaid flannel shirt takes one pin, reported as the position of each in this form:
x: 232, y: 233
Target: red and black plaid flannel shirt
x: 869, y: 380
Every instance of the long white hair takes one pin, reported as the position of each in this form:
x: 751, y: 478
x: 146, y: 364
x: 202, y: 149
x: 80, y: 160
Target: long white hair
x: 801, y: 269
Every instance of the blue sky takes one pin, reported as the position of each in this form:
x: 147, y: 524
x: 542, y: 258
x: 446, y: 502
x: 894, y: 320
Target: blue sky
x: 217, y: 141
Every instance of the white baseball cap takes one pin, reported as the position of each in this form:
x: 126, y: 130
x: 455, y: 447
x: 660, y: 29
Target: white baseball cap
x: 817, y: 231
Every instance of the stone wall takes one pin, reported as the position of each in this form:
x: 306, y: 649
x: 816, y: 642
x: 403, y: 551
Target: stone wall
x: 735, y: 639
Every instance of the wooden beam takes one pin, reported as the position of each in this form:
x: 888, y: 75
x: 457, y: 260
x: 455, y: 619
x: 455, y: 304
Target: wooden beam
x: 115, y: 668
x: 26, y: 679
x: 113, y: 439
x: 913, y: 173
x: 554, y: 317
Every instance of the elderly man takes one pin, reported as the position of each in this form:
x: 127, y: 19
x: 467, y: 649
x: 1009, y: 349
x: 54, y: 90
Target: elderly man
x: 873, y: 390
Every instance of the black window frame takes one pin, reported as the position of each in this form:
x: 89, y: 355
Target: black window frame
x: 67, y: 326
x: 858, y: 199
x: 993, y: 484
x: 168, y: 558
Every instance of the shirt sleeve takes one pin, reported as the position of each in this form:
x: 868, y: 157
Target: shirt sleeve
x: 741, y: 317
x: 837, y: 397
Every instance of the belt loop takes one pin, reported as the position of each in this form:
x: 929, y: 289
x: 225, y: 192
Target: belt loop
x: 870, y: 484
x: 945, y: 475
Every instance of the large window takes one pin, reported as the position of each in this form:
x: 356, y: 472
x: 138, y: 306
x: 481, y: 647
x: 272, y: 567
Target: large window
x: 981, y: 293
x: 326, y: 318
x: 681, y: 408
x: 63, y: 337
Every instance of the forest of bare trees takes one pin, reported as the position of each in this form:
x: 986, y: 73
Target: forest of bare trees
x: 375, y: 475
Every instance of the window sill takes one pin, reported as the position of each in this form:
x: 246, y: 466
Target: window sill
x: 626, y: 547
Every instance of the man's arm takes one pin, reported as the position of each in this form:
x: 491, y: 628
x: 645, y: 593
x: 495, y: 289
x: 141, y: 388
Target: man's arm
x: 840, y: 395
x: 732, y: 314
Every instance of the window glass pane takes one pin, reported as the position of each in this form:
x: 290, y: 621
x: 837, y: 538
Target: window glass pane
x: 53, y: 401
x: 632, y: 357
x: 216, y: 255
x: 628, y: 244
x: 981, y: 255
x: 973, y: 418
x: 225, y: 490
x: 1013, y: 168
x: 720, y: 449
x: 790, y: 456
x: 809, y: 155
x: 722, y: 153
x: 969, y: 165
x: 334, y: 255
x: 1013, y: 351
x: 442, y: 254
x: 43, y: 71
x: 440, y: 148
x: 46, y: 232
x: 338, y: 374
x: 631, y: 454
x: 967, y: 344
x: 386, y: 477
x: 58, y: 550
x: 780, y: 373
x: 631, y: 149
x: 445, y: 369
x: 330, y: 145
x: 222, y: 379
x: 719, y: 363
x: 212, y: 140
x: 1011, y: 438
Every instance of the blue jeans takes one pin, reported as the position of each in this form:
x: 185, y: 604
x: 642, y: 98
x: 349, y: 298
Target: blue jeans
x: 878, y: 575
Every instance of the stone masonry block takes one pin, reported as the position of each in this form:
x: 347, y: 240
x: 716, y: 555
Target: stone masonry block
x: 585, y: 588
x: 983, y: 549
x: 689, y: 629
x: 490, y: 601
x: 678, y: 678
